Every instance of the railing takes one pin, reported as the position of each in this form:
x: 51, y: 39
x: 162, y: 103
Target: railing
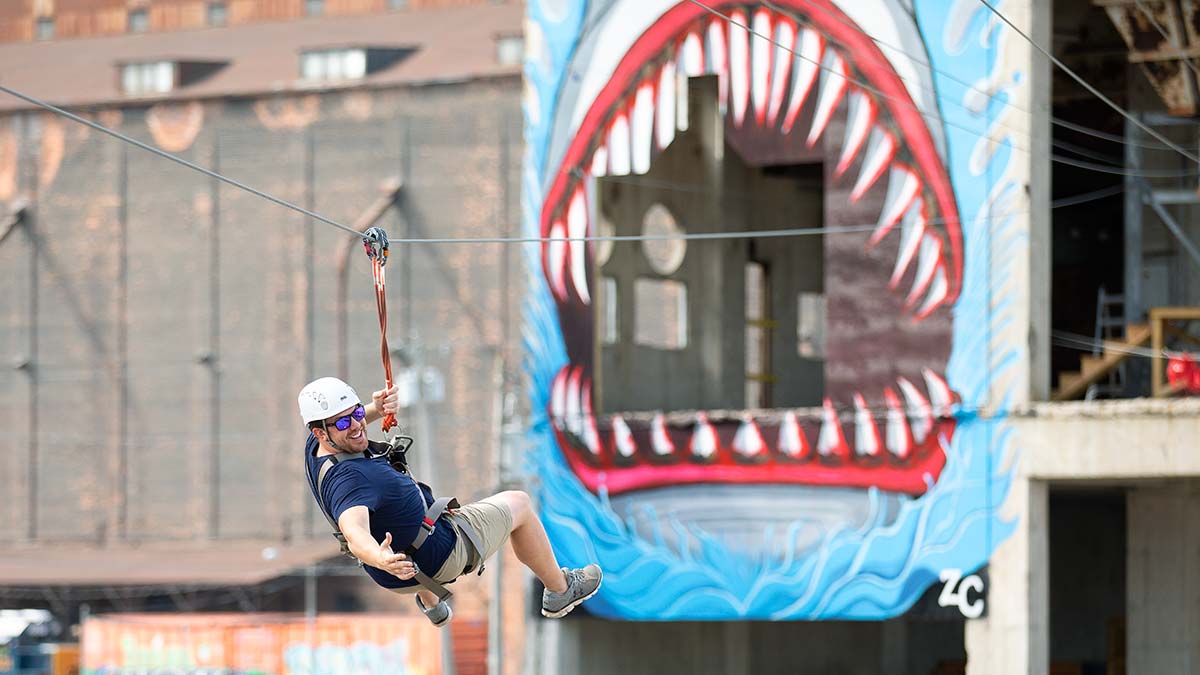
x: 1168, y: 322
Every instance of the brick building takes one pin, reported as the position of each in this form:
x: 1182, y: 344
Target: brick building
x: 159, y: 323
x: 27, y: 20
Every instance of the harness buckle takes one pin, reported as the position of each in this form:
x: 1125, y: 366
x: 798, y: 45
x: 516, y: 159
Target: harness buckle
x: 375, y: 240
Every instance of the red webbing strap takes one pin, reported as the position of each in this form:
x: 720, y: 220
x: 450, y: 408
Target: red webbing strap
x: 377, y: 270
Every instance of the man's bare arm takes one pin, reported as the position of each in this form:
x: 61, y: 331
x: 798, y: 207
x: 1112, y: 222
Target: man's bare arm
x: 355, y: 524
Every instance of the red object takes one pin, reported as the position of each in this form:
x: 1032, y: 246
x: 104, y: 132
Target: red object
x: 377, y: 262
x: 1183, y: 373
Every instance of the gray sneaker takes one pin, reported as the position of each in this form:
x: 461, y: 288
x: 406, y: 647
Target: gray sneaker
x: 582, y: 584
x: 439, y: 615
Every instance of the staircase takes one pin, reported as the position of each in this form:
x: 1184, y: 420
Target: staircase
x: 1092, y: 368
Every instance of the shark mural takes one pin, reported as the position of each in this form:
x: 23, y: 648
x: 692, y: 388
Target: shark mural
x: 852, y: 506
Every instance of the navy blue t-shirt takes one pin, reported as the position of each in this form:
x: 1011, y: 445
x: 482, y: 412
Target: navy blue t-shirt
x: 396, y: 503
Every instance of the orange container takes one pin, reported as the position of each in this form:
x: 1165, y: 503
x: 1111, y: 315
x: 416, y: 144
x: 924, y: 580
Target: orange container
x: 261, y: 644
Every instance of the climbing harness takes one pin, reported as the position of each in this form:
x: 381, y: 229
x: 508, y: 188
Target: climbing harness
x: 395, y: 452
x: 375, y: 241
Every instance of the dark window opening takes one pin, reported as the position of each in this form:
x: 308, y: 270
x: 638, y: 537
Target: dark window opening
x: 707, y: 324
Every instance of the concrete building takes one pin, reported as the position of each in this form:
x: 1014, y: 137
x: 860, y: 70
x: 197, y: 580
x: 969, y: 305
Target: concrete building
x: 29, y: 20
x: 853, y: 447
x: 855, y: 430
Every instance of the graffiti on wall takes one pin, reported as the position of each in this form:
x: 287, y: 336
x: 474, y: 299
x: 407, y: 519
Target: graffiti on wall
x: 227, y: 644
x: 854, y: 507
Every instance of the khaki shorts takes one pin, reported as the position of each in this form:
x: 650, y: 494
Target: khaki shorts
x: 493, y: 521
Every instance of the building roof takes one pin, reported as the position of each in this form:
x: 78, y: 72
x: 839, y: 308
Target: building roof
x: 217, y: 563
x: 454, y: 44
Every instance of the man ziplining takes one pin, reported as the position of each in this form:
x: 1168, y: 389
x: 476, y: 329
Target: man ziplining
x: 366, y: 492
x: 387, y: 522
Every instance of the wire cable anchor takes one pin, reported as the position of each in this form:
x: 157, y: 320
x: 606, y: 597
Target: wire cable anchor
x: 375, y: 241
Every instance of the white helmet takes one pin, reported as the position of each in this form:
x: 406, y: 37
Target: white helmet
x: 321, y: 398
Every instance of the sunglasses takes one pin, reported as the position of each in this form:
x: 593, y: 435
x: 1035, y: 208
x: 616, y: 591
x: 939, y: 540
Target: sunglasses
x: 343, y: 423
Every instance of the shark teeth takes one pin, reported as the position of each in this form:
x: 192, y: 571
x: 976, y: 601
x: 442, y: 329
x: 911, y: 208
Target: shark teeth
x: 623, y: 443
x: 860, y: 117
x: 660, y: 440
x: 899, y: 428
x: 898, y: 435
x: 591, y: 433
x: 704, y: 442
x: 556, y: 254
x: 812, y: 46
x: 761, y: 52
x: 792, y: 441
x: 665, y: 114
x: 642, y: 129
x: 573, y: 413
x: 748, y: 440
x: 881, y: 148
x: 903, y: 188
x: 785, y: 43
x: 831, y: 92
x: 577, y: 228
x: 912, y: 230
x: 739, y: 66
x: 558, y: 398
x: 920, y: 414
x: 866, y: 434
x: 940, y: 395
x: 717, y: 58
x: 831, y: 442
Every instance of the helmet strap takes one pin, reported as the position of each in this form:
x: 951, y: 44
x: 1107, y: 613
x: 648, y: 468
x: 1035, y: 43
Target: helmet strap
x: 329, y: 439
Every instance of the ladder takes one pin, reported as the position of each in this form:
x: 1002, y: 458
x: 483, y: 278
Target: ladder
x: 1110, y: 325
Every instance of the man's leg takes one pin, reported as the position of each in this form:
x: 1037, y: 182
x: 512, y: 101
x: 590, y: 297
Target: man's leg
x: 530, y: 543
x: 429, y: 598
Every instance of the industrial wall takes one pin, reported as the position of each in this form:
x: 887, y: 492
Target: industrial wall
x: 19, y: 21
x: 871, y: 466
x: 158, y: 325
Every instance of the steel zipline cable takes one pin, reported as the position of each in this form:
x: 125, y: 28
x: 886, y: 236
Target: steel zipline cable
x: 600, y: 238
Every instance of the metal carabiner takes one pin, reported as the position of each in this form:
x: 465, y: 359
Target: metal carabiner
x: 375, y: 240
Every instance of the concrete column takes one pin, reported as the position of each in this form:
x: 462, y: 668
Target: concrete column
x: 737, y: 648
x: 893, y: 647
x: 1014, y: 636
x: 1038, y: 26
x: 1163, y: 580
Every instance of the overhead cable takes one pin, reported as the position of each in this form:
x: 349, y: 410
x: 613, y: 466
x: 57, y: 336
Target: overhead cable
x: 175, y: 158
x: 1088, y: 86
x: 865, y: 85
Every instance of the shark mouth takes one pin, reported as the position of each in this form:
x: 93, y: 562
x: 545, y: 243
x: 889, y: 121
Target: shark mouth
x: 888, y: 161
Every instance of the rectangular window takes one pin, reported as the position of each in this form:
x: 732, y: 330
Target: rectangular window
x: 139, y: 21
x: 44, y: 28
x: 660, y: 314
x: 810, y: 326
x: 397, y: 4
x: 610, y: 326
x: 314, y: 7
x: 333, y: 64
x: 218, y: 14
x: 758, y: 336
x: 156, y: 77
x: 510, y: 50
